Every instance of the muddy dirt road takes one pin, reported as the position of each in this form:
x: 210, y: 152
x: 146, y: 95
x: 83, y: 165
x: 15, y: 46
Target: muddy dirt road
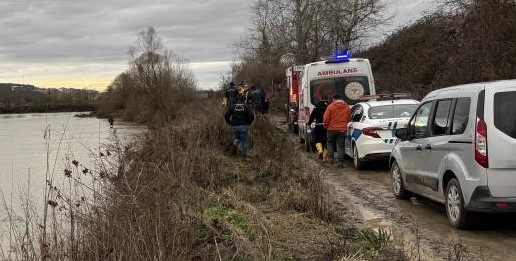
x: 418, y: 225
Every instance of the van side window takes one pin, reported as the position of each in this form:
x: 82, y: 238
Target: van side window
x: 461, y: 116
x: 418, y: 127
x: 441, y: 122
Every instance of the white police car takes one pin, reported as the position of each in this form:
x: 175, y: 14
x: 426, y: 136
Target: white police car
x: 371, y: 132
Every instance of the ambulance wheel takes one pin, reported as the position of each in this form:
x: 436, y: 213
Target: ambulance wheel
x: 357, y: 163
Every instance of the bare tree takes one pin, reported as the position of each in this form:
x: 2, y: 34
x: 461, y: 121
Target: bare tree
x: 162, y: 77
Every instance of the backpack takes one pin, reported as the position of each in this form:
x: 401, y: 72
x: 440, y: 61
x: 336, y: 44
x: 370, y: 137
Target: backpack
x: 239, y: 113
x: 231, y: 96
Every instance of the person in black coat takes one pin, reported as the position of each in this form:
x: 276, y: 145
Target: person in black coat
x: 240, y: 116
x: 255, y: 98
x: 231, y: 95
x: 319, y: 132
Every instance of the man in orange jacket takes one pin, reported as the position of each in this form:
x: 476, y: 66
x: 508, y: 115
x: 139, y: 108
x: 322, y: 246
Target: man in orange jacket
x: 336, y: 119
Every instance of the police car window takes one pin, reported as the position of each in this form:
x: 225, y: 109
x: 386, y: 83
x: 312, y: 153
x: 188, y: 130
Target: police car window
x: 357, y: 113
x: 441, y: 122
x: 420, y: 122
x: 461, y: 116
x: 392, y: 111
x: 505, y: 112
x: 351, y: 88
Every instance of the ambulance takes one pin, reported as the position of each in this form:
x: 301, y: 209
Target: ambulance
x: 293, y: 74
x: 352, y: 78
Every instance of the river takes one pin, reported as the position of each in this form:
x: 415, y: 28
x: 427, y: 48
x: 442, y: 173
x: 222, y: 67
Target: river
x: 24, y: 153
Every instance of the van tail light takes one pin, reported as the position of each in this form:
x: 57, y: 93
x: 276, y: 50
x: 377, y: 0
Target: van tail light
x: 481, y: 144
x: 371, y: 132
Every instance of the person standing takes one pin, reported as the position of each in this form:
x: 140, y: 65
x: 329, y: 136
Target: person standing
x: 255, y: 99
x: 111, y: 121
x: 240, y: 116
x: 319, y: 132
x: 336, y: 119
x: 231, y: 95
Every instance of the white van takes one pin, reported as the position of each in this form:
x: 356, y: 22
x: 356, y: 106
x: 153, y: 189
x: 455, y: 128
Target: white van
x: 459, y: 149
x: 352, y: 78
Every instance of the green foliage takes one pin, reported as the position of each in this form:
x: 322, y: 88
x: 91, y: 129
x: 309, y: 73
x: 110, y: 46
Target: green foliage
x: 226, y: 215
x: 371, y: 243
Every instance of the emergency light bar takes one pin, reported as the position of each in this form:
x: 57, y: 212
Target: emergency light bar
x: 339, y: 57
x: 386, y: 96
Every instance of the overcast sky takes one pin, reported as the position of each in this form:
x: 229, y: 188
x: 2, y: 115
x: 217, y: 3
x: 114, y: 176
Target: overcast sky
x: 84, y: 43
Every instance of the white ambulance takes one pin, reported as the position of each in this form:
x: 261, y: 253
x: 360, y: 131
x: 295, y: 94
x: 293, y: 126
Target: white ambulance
x: 352, y: 78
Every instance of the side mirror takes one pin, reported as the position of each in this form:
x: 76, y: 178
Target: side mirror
x: 402, y: 134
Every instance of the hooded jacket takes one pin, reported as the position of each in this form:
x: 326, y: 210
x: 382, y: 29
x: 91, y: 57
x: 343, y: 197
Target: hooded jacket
x: 239, y: 114
x: 318, y: 113
x: 337, y: 116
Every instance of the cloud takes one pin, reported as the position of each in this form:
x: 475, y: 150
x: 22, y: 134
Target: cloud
x: 90, y: 38
x: 72, y: 42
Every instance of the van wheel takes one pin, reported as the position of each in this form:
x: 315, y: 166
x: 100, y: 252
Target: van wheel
x: 457, y: 214
x: 397, y: 183
x: 357, y: 163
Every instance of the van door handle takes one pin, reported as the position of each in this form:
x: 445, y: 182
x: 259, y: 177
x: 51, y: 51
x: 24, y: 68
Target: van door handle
x: 419, y: 148
x: 428, y: 147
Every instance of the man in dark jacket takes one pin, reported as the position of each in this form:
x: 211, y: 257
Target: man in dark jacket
x: 319, y: 132
x: 255, y: 99
x: 231, y: 95
x: 240, y: 116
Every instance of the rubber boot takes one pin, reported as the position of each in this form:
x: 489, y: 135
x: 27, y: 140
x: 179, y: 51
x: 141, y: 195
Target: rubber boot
x: 325, y: 155
x: 320, y: 150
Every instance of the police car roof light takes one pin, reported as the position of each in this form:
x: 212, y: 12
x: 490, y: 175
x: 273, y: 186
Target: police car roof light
x: 394, y: 96
x: 386, y: 96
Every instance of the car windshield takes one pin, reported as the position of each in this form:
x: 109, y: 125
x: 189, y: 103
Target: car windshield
x: 392, y: 111
x: 350, y: 88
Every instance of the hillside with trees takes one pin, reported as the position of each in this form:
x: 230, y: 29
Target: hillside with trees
x: 464, y: 42
x: 20, y: 98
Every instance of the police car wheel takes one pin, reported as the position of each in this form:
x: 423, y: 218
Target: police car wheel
x: 397, y: 183
x: 357, y: 163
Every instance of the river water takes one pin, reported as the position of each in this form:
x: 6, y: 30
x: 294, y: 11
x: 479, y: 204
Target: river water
x: 29, y: 141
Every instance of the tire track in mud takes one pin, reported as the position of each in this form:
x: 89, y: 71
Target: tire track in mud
x: 371, y: 202
x: 367, y: 199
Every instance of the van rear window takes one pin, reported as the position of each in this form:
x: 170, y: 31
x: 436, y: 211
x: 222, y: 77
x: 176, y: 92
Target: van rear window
x: 505, y: 112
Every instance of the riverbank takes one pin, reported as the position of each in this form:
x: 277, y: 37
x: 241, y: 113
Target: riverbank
x: 46, y: 109
x: 183, y: 196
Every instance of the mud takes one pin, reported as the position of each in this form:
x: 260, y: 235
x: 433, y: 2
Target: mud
x: 419, y: 226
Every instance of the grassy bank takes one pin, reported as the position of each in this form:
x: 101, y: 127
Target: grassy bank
x: 182, y: 195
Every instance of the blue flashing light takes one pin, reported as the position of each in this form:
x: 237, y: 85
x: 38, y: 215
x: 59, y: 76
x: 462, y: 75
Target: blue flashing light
x: 342, y: 56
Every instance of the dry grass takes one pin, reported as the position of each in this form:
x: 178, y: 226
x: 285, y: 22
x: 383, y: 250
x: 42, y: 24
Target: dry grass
x: 182, y: 196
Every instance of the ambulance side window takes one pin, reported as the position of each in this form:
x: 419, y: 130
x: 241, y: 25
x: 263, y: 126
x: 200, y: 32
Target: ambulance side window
x: 356, y: 113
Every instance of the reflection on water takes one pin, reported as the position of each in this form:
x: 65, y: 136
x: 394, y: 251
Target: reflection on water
x: 23, y: 151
